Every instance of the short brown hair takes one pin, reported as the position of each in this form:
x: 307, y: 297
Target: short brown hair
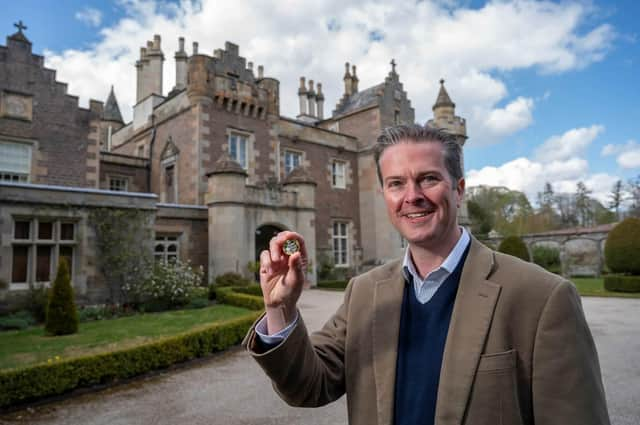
x: 419, y: 134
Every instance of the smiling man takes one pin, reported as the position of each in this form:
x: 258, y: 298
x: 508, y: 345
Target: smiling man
x: 453, y: 333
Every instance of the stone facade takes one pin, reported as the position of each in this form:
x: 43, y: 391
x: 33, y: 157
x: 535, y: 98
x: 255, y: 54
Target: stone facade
x: 223, y: 169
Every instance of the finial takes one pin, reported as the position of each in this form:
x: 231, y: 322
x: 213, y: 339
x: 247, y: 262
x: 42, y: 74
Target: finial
x: 353, y: 69
x: 393, y: 65
x: 441, y: 81
x: 20, y: 26
x: 346, y: 69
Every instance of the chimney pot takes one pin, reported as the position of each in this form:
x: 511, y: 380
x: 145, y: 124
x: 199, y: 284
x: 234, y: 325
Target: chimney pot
x: 250, y: 65
x: 181, y: 44
x: 195, y: 47
x: 260, y: 71
x: 156, y: 41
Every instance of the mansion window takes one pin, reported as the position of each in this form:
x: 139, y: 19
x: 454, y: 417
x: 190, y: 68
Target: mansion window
x: 166, y: 248
x: 119, y: 184
x: 37, y: 246
x: 338, y: 179
x: 340, y: 244
x: 15, y: 161
x: 292, y: 160
x: 238, y: 148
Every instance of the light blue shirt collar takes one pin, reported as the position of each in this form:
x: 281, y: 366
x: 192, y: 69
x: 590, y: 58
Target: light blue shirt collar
x: 425, y: 288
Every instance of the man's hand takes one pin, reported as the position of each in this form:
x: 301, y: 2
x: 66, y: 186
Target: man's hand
x: 282, y: 279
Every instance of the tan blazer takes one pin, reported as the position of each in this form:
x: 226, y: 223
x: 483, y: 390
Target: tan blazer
x: 518, y: 351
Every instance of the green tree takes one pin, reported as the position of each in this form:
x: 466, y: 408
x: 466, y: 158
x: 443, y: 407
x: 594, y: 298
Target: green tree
x: 62, y: 316
x: 633, y: 186
x: 584, y: 212
x: 616, y: 198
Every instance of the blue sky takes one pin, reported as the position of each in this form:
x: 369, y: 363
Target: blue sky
x: 550, y: 90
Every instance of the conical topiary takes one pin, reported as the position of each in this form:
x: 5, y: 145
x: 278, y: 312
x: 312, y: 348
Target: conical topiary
x: 62, y: 316
x: 515, y: 246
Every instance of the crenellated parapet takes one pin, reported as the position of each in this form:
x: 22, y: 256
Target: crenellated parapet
x: 228, y: 80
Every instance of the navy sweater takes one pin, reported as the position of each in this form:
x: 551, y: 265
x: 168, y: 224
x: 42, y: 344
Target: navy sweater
x: 423, y: 332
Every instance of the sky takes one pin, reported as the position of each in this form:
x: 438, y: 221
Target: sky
x: 550, y: 89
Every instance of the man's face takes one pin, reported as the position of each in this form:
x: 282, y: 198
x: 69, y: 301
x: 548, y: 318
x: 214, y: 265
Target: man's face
x: 421, y: 197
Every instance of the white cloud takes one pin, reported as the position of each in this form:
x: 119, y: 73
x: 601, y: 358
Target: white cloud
x: 513, y: 117
x: 628, y: 154
x: 90, y: 16
x: 530, y: 176
x: 570, y: 144
x: 629, y: 159
x: 293, y: 38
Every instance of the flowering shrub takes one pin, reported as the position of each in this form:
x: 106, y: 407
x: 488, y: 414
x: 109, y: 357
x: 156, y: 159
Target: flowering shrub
x: 170, y: 284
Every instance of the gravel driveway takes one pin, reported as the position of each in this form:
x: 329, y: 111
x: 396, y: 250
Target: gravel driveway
x: 230, y: 389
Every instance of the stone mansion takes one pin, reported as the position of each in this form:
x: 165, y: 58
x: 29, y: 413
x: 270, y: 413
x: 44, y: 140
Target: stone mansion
x: 211, y: 162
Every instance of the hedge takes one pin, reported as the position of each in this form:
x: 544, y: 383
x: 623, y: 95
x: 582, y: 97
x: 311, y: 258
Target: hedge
x: 255, y: 290
x: 333, y: 284
x: 48, y: 379
x: 622, y: 249
x: 230, y: 295
x: 620, y: 283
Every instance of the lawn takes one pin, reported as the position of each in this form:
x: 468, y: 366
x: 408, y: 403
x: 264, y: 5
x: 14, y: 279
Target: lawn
x: 30, y: 346
x: 594, y: 287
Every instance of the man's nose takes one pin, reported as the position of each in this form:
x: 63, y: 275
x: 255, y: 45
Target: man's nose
x: 414, y: 193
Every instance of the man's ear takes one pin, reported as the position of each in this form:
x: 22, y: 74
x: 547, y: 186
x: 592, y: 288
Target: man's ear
x: 460, y: 190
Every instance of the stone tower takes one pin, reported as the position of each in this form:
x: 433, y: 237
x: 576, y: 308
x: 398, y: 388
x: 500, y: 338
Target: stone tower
x: 445, y: 118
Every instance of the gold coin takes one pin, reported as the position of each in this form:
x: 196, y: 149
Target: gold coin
x: 291, y: 246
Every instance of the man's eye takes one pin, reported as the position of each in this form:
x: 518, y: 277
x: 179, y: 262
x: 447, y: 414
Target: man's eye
x: 429, y: 179
x: 394, y: 184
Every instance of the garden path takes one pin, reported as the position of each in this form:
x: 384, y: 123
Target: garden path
x: 230, y: 388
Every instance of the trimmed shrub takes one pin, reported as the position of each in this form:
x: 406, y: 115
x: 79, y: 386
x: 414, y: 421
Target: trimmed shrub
x: 17, y: 321
x: 619, y: 283
x: 62, y: 316
x: 48, y: 379
x: 547, y: 257
x: 199, y: 302
x: 622, y: 250
x: 513, y: 245
x: 13, y: 324
x: 333, y: 284
x: 228, y: 295
x: 232, y: 279
x: 255, y: 290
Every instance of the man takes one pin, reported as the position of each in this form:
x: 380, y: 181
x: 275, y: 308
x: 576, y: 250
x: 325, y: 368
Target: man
x: 454, y: 333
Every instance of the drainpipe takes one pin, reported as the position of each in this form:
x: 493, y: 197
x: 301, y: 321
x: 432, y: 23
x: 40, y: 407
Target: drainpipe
x: 153, y: 139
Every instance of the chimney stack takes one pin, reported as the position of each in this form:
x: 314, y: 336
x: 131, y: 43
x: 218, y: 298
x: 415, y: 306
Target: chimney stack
x: 154, y: 76
x: 354, y: 79
x: 320, y: 101
x: 302, y: 95
x: 260, y: 71
x: 195, y: 48
x: 181, y: 66
x: 348, y: 83
x: 311, y: 97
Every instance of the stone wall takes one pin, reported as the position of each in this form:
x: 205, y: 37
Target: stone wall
x: 63, y: 150
x: 39, y: 203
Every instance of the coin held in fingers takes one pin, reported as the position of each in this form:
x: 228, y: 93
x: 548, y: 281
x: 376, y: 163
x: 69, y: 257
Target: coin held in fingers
x: 290, y: 246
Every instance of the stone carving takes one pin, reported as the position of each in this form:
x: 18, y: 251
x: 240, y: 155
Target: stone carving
x: 14, y: 105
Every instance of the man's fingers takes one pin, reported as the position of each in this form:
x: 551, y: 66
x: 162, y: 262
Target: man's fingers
x: 265, y: 266
x: 296, y: 266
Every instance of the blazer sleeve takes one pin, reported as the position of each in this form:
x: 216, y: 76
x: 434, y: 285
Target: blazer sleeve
x: 566, y: 381
x: 307, y: 371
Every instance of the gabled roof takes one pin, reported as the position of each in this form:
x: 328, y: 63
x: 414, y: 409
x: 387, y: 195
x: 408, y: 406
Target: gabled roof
x: 443, y: 98
x: 111, y: 109
x: 359, y: 100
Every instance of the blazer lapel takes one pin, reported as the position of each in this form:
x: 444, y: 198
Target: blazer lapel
x: 470, y: 323
x: 386, y: 323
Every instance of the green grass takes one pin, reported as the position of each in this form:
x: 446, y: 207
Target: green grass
x: 30, y: 346
x: 594, y: 287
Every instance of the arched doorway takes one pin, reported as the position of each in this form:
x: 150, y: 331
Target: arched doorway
x: 263, y: 235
